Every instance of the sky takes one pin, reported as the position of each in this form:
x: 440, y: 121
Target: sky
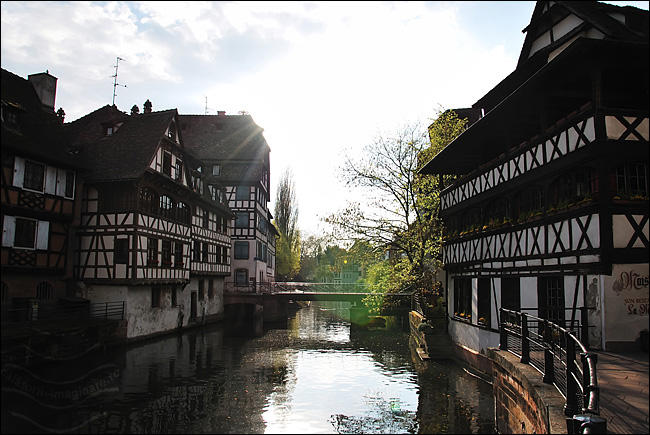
x: 321, y: 79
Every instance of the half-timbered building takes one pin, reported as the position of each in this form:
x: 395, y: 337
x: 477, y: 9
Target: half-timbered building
x: 235, y: 159
x: 549, y: 209
x: 39, y: 187
x: 149, y: 232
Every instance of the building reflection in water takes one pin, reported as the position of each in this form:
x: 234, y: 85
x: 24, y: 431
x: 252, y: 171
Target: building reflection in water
x: 311, y: 374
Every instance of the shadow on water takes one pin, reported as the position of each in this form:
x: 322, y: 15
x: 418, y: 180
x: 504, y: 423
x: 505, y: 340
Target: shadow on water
x: 313, y: 373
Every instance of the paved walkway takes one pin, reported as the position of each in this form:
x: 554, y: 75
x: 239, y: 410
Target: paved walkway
x: 624, y: 396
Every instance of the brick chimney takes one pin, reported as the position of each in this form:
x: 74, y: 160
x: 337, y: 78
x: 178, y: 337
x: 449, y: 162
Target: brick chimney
x: 45, y: 86
x: 221, y: 113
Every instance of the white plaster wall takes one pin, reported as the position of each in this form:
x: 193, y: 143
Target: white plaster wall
x: 472, y: 337
x: 206, y: 306
x: 528, y: 292
x: 143, y: 319
x: 105, y: 293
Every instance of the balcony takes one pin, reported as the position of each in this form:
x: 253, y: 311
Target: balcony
x: 576, y: 131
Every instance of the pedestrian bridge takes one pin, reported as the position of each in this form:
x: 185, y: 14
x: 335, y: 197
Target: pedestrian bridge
x: 274, y: 297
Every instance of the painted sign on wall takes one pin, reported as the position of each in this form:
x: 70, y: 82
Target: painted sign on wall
x: 626, y: 301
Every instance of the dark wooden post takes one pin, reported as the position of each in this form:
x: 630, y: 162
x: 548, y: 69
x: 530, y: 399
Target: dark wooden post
x: 571, y: 399
x: 525, y: 343
x: 549, y: 374
x: 503, y: 335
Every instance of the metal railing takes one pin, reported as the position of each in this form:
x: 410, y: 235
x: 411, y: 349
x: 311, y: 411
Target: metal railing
x: 38, y: 310
x: 557, y: 353
x: 275, y: 287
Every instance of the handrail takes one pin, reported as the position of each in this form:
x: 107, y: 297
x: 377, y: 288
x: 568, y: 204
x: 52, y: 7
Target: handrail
x: 557, y: 344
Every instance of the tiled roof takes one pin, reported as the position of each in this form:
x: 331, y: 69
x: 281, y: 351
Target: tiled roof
x: 223, y: 137
x: 39, y: 133
x: 125, y: 154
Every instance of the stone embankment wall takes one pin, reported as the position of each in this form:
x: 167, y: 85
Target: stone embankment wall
x: 523, y: 403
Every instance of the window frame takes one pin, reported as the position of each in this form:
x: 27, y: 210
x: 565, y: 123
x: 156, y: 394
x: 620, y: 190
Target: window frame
x: 242, y: 193
x: 239, y: 246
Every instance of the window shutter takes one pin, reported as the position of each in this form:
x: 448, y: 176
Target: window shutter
x: 8, y: 230
x: 19, y: 171
x: 50, y: 180
x: 42, y: 234
x: 60, y: 182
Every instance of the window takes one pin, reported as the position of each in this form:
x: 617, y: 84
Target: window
x: 216, y: 170
x: 109, y: 131
x: 196, y: 252
x: 241, y: 250
x: 184, y: 214
x: 218, y: 260
x: 262, y: 224
x: 205, y: 252
x: 206, y: 219
x: 242, y: 193
x: 258, y: 252
x: 167, y: 164
x: 69, y: 184
x: 166, y: 207
x: 148, y: 201
x: 178, y: 254
x: 201, y: 285
x: 25, y: 235
x: 224, y: 256
x: 550, y: 298
x: 241, y: 277
x: 34, y: 176
x: 152, y: 251
x: 529, y: 202
x: 44, y: 291
x: 121, y: 251
x: 166, y: 253
x: 510, y: 294
x: 463, y: 298
x: 155, y: 296
x: 632, y: 180
x: 174, y: 297
x: 211, y: 289
x: 242, y: 220
x: 484, y: 299
x: 178, y: 170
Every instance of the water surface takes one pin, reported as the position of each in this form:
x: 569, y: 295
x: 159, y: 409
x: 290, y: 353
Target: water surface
x: 316, y: 374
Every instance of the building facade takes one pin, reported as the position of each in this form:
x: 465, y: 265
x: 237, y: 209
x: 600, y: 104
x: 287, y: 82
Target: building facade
x: 149, y: 234
x: 235, y: 161
x: 40, y: 191
x: 549, y: 210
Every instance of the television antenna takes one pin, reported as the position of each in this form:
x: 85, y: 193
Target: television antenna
x: 206, y: 105
x: 115, y: 83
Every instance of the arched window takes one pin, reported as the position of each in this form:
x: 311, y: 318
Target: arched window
x: 148, y: 201
x: 167, y: 206
x: 44, y: 291
x: 184, y: 214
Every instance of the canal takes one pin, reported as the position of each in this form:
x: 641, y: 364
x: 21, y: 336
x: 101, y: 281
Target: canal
x: 314, y: 374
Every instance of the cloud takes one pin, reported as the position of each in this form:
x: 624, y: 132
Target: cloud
x: 319, y: 77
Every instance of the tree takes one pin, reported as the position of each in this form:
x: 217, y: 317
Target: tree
x: 286, y: 221
x: 400, y: 212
